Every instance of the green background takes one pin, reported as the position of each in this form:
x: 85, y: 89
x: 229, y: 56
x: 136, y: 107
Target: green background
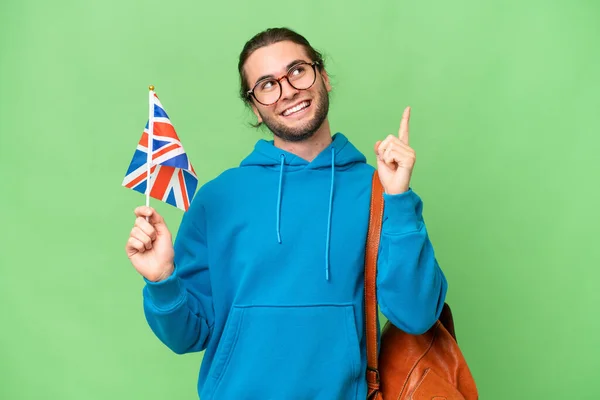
x: 505, y: 124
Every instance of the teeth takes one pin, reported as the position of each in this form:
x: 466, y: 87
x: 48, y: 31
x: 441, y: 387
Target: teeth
x: 296, y: 108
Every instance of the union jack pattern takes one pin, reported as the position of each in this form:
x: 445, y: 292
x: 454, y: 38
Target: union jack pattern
x: 173, y: 178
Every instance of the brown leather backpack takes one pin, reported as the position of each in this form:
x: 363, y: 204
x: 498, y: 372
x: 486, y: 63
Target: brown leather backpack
x: 409, y: 367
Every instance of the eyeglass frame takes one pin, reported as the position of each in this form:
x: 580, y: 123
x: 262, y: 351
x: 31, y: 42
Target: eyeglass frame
x: 313, y: 65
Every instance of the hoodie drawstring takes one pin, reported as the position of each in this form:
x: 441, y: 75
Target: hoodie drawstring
x: 279, y: 197
x: 329, y: 215
x: 327, y: 246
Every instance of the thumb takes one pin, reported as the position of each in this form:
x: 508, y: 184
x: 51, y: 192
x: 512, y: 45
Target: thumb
x: 154, y: 218
x: 159, y: 223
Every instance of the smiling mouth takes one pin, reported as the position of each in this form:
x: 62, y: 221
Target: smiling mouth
x: 296, y: 109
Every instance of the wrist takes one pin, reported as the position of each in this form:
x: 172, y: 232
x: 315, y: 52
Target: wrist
x: 395, y: 191
x: 165, y: 274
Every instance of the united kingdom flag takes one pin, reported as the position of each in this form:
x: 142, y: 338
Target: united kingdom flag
x: 173, y: 179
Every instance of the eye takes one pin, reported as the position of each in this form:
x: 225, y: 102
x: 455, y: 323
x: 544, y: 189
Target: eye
x: 266, y: 85
x: 298, y: 70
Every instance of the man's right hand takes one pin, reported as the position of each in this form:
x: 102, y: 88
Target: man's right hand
x: 150, y: 247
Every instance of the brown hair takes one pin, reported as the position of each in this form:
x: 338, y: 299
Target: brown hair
x: 266, y: 38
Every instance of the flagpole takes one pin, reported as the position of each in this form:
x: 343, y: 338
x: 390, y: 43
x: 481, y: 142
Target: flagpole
x: 150, y: 141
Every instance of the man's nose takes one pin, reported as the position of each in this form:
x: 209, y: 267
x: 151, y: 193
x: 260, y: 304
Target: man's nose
x: 287, y: 90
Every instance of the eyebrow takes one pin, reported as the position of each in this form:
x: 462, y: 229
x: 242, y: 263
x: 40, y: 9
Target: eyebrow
x: 290, y: 65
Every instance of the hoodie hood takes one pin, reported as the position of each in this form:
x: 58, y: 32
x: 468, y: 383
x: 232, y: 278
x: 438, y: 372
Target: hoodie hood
x: 340, y: 151
x: 340, y: 154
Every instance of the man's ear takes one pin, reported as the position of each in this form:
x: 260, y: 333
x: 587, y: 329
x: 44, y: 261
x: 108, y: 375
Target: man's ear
x: 326, y: 80
x: 258, y: 117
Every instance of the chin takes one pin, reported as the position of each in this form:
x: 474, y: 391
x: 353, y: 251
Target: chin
x: 295, y: 133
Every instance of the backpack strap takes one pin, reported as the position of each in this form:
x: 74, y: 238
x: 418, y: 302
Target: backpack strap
x: 371, y: 252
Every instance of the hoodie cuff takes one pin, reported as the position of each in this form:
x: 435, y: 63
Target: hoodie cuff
x: 166, y: 294
x: 400, y: 213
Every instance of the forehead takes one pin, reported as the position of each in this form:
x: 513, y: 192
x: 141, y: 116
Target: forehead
x: 273, y: 59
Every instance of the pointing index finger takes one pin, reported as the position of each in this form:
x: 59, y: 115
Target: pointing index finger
x: 403, y: 133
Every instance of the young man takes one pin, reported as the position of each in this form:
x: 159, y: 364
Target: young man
x: 267, y: 270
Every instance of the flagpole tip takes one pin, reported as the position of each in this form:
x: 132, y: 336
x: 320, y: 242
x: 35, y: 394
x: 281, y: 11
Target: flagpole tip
x: 151, y: 87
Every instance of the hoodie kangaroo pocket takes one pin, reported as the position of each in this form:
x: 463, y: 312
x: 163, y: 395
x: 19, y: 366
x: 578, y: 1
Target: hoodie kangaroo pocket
x: 288, y: 352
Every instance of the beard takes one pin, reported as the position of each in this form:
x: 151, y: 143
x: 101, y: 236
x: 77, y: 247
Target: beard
x: 306, y: 130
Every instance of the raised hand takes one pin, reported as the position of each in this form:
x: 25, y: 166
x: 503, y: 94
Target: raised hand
x: 396, y: 159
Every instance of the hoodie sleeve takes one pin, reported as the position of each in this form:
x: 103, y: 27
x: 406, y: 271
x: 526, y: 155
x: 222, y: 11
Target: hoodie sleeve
x: 179, y: 309
x: 411, y: 287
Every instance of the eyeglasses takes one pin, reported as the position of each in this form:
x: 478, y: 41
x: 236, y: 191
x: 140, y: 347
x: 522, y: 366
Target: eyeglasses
x: 301, y: 76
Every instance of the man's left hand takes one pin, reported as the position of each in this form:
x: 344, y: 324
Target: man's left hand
x: 396, y: 159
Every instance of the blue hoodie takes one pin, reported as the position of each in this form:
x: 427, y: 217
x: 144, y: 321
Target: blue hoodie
x: 269, y: 263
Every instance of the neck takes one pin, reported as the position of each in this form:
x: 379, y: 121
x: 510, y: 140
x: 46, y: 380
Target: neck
x: 310, y: 148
